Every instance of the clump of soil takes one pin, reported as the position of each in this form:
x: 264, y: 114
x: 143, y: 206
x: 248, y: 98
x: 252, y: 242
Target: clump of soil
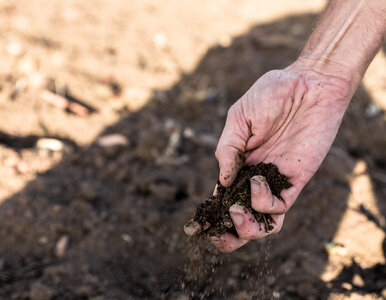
x: 213, y: 214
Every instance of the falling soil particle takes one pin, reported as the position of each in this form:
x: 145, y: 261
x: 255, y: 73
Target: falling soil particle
x: 213, y: 215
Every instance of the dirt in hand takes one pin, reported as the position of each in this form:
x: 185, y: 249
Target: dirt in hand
x: 213, y: 214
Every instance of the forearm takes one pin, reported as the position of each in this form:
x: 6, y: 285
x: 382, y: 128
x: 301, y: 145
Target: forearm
x: 346, y: 39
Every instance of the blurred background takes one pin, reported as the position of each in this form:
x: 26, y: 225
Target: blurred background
x: 110, y: 113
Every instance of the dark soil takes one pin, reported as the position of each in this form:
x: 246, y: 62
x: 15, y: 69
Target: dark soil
x: 213, y: 214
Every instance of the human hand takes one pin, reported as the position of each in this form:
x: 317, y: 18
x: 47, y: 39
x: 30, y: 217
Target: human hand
x: 290, y: 118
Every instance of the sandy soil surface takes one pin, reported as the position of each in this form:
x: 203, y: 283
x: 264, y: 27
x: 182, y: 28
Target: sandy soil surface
x: 82, y: 219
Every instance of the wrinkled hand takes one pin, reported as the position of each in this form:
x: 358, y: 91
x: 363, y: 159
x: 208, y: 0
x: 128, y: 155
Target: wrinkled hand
x: 290, y: 118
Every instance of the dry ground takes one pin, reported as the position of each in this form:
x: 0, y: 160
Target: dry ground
x: 93, y: 222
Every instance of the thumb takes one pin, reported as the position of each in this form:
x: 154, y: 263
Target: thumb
x: 231, y: 146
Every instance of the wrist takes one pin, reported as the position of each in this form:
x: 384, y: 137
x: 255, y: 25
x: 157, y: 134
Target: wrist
x: 349, y: 34
x: 326, y: 67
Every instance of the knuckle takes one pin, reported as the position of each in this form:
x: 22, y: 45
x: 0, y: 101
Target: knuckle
x: 217, y: 153
x: 284, y: 208
x: 232, y: 111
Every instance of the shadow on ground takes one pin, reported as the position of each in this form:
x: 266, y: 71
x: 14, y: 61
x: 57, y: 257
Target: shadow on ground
x: 122, y: 209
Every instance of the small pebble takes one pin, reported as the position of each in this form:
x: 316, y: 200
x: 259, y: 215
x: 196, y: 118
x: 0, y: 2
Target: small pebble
x: 49, y: 144
x: 373, y: 110
x: 358, y: 281
x: 14, y: 48
x: 334, y: 248
x: 276, y: 295
x: 61, y: 246
x: 112, y: 140
x: 347, y: 286
x: 127, y: 238
x: 43, y: 240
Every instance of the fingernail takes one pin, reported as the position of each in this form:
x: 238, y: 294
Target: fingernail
x: 259, y: 186
x: 258, y: 179
x: 238, y: 219
x: 215, y: 239
x: 192, y: 227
